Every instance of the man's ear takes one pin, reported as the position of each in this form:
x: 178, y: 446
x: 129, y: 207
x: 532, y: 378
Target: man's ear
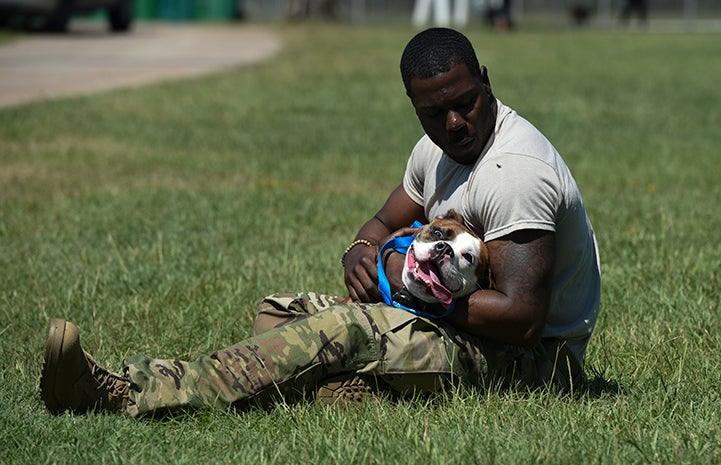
x: 485, y: 80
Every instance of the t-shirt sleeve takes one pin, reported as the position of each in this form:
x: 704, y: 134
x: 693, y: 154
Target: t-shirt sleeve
x: 415, y: 175
x: 514, y: 192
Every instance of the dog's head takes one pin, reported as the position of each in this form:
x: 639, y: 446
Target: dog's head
x: 445, y: 261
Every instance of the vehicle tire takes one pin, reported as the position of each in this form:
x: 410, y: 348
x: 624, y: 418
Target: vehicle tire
x: 120, y: 16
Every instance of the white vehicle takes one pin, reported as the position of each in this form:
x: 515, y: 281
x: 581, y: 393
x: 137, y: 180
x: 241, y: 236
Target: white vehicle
x: 55, y: 15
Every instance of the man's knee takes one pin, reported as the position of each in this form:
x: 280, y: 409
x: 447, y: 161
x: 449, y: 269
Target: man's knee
x: 282, y: 309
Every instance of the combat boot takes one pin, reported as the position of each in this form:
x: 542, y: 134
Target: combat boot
x: 71, y: 380
x: 349, y: 388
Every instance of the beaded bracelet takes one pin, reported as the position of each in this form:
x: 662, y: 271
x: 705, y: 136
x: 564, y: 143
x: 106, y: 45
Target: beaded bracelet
x: 353, y: 244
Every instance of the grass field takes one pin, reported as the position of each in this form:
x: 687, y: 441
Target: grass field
x: 156, y: 218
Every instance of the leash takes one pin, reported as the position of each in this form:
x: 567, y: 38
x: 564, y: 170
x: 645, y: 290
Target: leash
x: 401, y: 244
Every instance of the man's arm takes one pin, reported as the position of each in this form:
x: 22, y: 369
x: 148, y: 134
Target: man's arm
x: 515, y: 311
x: 361, y: 272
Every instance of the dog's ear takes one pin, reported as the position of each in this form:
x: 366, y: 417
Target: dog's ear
x: 454, y: 215
x: 483, y: 270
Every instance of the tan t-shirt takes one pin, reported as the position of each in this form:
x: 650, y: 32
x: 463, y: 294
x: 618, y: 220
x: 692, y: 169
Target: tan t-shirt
x: 520, y: 182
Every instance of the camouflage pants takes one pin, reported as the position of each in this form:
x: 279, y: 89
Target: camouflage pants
x: 301, y: 339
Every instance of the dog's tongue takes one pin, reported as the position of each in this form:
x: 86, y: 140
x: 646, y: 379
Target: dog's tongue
x: 428, y: 272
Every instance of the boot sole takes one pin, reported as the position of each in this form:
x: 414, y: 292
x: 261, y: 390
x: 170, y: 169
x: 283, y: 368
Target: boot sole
x: 51, y: 359
x: 345, y: 390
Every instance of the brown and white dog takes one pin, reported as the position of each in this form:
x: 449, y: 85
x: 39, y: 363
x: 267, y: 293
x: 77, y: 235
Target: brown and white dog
x: 446, y: 260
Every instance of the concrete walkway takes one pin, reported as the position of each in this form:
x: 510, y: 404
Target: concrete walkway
x: 89, y: 59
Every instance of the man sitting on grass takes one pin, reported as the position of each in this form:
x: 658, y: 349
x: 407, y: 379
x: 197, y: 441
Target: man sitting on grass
x: 477, y: 157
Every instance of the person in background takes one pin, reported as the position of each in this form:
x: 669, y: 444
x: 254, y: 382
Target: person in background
x: 639, y: 7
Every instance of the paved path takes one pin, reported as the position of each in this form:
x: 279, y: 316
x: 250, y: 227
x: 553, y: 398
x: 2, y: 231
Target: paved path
x: 89, y: 59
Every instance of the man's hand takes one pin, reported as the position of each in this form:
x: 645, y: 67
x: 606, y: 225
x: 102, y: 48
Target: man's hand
x: 361, y: 266
x: 361, y: 269
x: 361, y: 274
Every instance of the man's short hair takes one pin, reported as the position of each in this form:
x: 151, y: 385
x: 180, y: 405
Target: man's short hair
x: 435, y: 51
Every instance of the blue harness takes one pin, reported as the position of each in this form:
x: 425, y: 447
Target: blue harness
x: 400, y: 245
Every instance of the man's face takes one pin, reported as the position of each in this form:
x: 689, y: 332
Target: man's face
x: 455, y: 111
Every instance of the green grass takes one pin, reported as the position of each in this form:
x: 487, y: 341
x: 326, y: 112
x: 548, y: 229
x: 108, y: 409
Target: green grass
x: 156, y: 218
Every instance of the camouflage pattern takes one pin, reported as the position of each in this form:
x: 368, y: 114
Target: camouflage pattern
x: 302, y: 338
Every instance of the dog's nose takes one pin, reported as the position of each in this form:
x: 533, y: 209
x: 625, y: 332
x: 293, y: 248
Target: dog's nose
x: 442, y: 248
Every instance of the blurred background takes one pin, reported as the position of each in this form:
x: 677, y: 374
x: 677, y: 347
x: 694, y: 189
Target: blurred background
x: 685, y: 15
x: 659, y: 13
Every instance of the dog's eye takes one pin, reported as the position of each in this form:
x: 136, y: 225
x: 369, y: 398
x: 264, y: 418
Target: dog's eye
x: 468, y: 257
x: 438, y: 234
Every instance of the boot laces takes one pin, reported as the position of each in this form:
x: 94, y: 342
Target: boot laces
x: 112, y: 384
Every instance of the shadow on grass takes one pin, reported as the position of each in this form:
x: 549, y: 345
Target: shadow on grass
x: 596, y: 385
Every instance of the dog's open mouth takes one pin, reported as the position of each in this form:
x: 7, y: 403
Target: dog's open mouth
x: 427, y: 272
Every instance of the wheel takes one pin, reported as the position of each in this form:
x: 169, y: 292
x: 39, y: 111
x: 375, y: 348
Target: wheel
x: 120, y: 16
